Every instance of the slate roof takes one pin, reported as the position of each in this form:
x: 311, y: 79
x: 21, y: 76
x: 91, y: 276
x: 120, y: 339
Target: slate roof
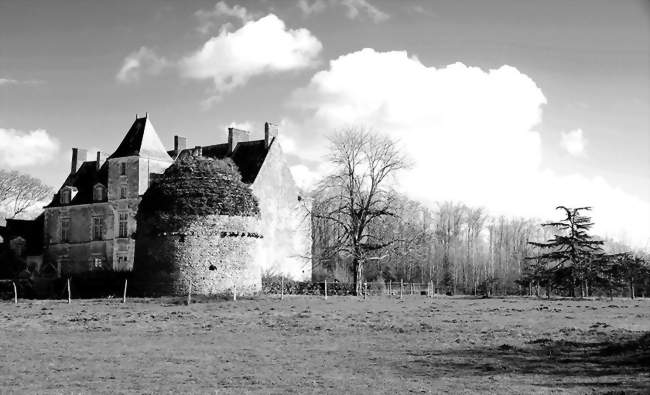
x: 84, y: 180
x: 31, y: 230
x: 142, y: 140
x: 248, y: 156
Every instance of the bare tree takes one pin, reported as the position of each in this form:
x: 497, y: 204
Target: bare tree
x: 19, y: 192
x: 357, y: 193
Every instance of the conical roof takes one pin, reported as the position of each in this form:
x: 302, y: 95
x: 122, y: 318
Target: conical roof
x: 143, y: 141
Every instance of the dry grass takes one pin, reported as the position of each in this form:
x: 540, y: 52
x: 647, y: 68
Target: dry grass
x: 342, y: 345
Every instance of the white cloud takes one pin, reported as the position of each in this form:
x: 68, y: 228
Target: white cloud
x: 262, y: 46
x: 470, y: 132
x: 573, y: 142
x: 210, y: 19
x: 354, y: 8
x: 21, y: 149
x: 11, y: 81
x: 140, y: 62
x: 308, y: 8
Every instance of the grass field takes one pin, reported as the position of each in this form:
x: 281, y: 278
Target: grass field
x: 342, y: 345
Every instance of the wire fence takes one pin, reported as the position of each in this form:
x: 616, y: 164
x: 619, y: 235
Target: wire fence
x: 123, y: 286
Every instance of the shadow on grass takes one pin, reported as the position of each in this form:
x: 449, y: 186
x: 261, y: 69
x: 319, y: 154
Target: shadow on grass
x: 622, y: 354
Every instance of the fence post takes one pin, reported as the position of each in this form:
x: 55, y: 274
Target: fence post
x: 281, y: 287
x: 401, y: 289
x: 433, y: 289
x: 365, y: 289
x: 126, y: 280
x: 15, y: 293
x: 189, y: 294
x: 325, y: 289
x: 234, y: 292
x: 69, y: 293
x: 390, y: 292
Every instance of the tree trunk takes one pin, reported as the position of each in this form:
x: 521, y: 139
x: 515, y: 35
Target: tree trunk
x: 358, y: 275
x: 631, y: 290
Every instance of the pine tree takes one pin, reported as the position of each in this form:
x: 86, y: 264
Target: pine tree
x: 572, y: 250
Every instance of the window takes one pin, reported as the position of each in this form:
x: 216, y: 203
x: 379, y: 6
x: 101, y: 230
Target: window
x: 123, y: 225
x: 65, y: 230
x: 98, y: 193
x: 97, y: 262
x: 65, y: 196
x: 98, y: 224
x: 122, y: 191
x: 123, y: 168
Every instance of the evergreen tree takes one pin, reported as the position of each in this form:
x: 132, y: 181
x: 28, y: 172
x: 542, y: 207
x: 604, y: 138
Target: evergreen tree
x: 573, y: 250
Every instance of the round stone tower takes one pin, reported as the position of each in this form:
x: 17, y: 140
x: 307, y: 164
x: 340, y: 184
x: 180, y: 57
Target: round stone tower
x: 199, y: 224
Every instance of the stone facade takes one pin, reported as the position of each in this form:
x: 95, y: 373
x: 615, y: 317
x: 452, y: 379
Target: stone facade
x: 216, y: 254
x: 91, y: 222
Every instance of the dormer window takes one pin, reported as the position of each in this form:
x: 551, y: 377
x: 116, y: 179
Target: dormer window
x: 122, y: 191
x: 98, y: 193
x: 123, y: 168
x: 65, y: 196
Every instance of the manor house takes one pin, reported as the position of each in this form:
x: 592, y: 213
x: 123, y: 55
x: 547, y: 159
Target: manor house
x: 90, y: 225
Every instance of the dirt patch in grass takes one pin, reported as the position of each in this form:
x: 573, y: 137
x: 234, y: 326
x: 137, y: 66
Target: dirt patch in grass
x: 342, y: 345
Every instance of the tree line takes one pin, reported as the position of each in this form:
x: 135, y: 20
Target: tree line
x: 364, y: 231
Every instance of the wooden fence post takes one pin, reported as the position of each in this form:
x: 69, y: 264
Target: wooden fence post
x: 390, y: 283
x: 15, y: 293
x: 69, y: 293
x: 126, y: 280
x: 234, y: 292
x: 401, y: 289
x: 189, y: 294
x: 325, y: 289
x: 281, y: 287
x: 365, y: 289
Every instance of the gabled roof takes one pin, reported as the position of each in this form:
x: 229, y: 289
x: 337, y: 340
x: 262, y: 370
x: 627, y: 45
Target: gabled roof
x: 84, y: 180
x: 142, y: 140
x: 29, y: 229
x: 248, y: 156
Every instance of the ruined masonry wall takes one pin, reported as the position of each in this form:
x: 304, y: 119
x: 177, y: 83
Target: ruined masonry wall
x: 215, y: 253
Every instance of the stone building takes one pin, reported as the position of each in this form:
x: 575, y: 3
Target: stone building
x: 200, y: 224
x: 90, y: 225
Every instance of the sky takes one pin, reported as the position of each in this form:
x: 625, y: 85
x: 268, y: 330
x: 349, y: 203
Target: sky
x: 516, y: 106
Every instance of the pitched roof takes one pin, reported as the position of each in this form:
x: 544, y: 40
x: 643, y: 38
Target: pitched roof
x: 247, y: 155
x: 142, y: 140
x: 84, y: 180
x: 29, y: 229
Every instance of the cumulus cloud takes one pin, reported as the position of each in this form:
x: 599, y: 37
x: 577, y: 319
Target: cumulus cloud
x: 471, y: 133
x: 262, y: 46
x: 573, y: 142
x: 209, y: 19
x: 140, y: 62
x: 354, y: 8
x: 21, y: 149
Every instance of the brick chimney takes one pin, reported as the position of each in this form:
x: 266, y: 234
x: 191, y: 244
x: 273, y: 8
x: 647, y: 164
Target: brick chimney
x: 270, y: 133
x: 235, y: 136
x: 79, y: 156
x: 101, y: 158
x: 180, y: 143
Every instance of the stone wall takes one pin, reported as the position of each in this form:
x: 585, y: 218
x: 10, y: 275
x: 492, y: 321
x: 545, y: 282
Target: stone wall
x: 215, y: 253
x: 78, y: 254
x: 286, y: 224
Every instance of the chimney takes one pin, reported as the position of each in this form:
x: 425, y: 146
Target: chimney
x: 79, y: 156
x: 235, y: 136
x: 180, y: 143
x: 101, y: 158
x: 197, y: 151
x: 270, y: 133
